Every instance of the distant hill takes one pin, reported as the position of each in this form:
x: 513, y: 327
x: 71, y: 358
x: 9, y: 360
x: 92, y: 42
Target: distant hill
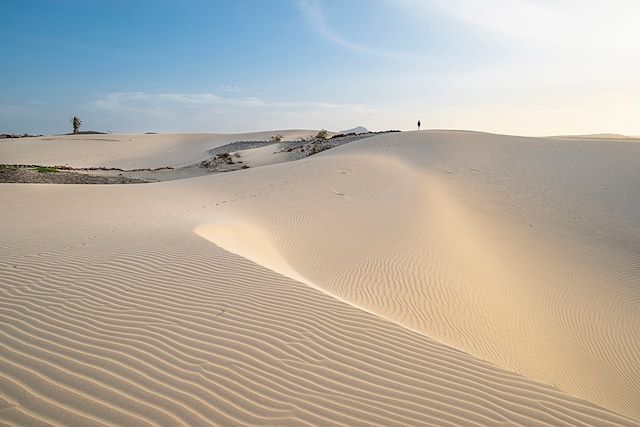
x: 356, y: 130
x: 598, y: 136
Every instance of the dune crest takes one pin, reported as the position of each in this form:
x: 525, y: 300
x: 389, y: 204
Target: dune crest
x: 521, y: 252
x: 415, y: 244
x: 248, y: 241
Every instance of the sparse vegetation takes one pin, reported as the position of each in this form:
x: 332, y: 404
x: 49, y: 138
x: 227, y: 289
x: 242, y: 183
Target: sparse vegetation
x: 46, y: 169
x: 10, y: 135
x: 342, y: 135
x: 230, y: 157
x: 276, y: 138
x: 317, y: 147
x: 76, y: 123
x: 226, y: 157
x: 219, y: 160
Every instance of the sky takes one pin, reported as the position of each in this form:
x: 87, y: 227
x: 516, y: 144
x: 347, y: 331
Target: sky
x: 526, y: 67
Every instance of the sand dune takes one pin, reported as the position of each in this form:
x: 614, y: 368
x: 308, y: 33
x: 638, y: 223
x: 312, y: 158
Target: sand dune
x: 123, y: 151
x: 523, y: 252
x: 432, y: 278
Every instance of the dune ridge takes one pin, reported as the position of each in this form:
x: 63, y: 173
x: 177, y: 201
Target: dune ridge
x: 114, y: 311
x: 529, y: 297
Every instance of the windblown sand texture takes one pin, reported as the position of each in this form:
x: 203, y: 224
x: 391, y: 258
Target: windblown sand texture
x: 424, y: 278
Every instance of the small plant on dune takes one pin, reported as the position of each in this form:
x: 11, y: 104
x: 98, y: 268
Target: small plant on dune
x: 76, y: 123
x: 276, y: 138
x: 226, y: 157
x: 46, y: 169
x: 323, y: 134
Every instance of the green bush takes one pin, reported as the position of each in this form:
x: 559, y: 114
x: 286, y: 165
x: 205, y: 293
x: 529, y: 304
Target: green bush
x: 46, y: 169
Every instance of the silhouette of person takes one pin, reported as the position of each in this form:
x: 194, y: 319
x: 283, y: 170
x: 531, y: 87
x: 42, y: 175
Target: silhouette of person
x: 418, y: 124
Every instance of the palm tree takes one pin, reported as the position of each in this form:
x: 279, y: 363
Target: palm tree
x: 76, y: 122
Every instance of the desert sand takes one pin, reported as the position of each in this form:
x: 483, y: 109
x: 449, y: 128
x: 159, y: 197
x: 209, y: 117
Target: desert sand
x: 418, y: 278
x: 125, y: 151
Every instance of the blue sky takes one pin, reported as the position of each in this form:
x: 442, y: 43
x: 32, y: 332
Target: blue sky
x: 532, y: 67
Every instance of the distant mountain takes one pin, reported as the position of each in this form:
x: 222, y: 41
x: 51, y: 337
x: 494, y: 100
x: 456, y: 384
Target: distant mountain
x: 356, y: 130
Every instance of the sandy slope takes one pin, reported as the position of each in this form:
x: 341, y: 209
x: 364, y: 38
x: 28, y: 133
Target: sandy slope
x: 124, y: 151
x: 116, y: 308
x: 524, y: 252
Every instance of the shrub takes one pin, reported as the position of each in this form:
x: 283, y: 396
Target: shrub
x: 226, y: 157
x: 46, y: 169
x: 76, y: 123
x: 276, y: 138
x: 323, y: 134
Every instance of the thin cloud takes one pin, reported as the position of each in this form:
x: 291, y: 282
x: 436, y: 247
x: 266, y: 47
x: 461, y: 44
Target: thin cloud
x: 234, y: 89
x: 160, y: 101
x: 314, y: 15
x: 211, y: 112
x: 580, y: 26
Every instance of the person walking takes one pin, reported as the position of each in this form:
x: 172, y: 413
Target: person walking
x: 418, y: 124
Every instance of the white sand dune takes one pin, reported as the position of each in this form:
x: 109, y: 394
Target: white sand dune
x: 432, y: 278
x: 125, y: 151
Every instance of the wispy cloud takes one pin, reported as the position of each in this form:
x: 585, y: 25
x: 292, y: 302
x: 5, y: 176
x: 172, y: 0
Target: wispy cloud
x: 165, y: 101
x: 314, y: 15
x: 211, y: 112
x: 581, y: 26
x: 234, y: 89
